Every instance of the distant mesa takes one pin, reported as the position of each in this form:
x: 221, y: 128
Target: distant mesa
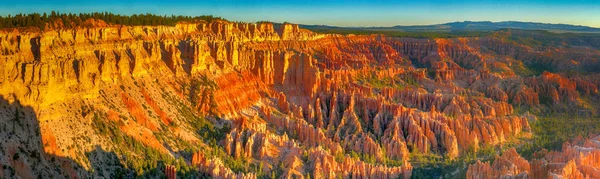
x: 473, y: 26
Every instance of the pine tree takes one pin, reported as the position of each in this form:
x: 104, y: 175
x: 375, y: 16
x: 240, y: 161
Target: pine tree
x: 16, y: 119
x: 73, y: 20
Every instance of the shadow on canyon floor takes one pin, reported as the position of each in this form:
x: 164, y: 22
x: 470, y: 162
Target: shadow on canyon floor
x: 23, y: 153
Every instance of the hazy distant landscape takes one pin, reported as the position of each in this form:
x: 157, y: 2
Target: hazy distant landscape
x: 473, y: 26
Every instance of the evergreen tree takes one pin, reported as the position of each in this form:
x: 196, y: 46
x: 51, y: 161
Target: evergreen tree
x: 74, y: 20
x: 16, y: 119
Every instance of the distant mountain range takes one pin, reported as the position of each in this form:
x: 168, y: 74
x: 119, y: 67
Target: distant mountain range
x: 474, y: 26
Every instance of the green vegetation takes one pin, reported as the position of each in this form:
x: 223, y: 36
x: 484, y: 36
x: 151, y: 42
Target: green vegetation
x: 17, y: 119
x: 432, y: 165
x: 551, y: 132
x: 537, y: 67
x: 544, y: 39
x: 520, y: 69
x: 367, y: 158
x: 539, y: 40
x: 137, y: 158
x: 210, y: 133
x: 202, y: 91
x: 235, y: 164
x: 398, y: 32
x: 75, y: 20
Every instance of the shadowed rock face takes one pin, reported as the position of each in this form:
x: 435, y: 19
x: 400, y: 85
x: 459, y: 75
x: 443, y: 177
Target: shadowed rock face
x: 298, y: 103
x: 29, y: 148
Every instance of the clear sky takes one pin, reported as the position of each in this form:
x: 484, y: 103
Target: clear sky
x: 336, y: 12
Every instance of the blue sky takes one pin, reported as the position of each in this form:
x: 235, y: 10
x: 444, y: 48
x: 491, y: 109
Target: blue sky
x: 337, y: 12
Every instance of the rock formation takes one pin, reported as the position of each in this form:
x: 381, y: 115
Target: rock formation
x: 260, y: 99
x: 572, y: 162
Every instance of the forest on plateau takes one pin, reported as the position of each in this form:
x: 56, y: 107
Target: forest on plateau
x: 70, y: 20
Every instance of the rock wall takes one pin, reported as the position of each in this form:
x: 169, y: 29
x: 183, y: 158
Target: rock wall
x: 312, y: 104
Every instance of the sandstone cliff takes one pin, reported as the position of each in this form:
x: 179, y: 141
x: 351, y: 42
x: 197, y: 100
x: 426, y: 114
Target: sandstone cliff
x: 249, y: 100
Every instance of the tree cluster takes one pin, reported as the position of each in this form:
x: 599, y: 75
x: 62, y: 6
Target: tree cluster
x: 70, y: 20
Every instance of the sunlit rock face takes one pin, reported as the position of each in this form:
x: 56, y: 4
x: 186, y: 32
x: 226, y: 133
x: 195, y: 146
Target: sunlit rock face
x: 579, y: 160
x: 297, y: 103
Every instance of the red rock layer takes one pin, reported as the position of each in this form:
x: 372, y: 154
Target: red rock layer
x: 489, y: 124
x: 215, y: 167
x: 288, y: 91
x: 161, y: 114
x: 572, y: 162
x: 509, y: 165
x: 237, y: 92
x: 555, y: 87
x: 137, y: 112
x: 325, y: 166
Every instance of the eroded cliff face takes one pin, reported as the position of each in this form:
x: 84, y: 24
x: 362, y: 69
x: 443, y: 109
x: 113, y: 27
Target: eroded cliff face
x: 579, y: 159
x: 297, y: 103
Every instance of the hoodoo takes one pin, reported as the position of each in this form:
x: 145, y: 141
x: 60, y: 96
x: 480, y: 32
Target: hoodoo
x: 214, y: 98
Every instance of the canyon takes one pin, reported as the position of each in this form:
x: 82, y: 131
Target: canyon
x: 254, y: 100
x: 578, y: 159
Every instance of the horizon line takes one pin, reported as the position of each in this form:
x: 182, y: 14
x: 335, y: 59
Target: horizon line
x: 330, y: 25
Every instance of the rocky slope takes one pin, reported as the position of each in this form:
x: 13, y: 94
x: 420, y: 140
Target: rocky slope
x: 243, y: 100
x: 580, y: 159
